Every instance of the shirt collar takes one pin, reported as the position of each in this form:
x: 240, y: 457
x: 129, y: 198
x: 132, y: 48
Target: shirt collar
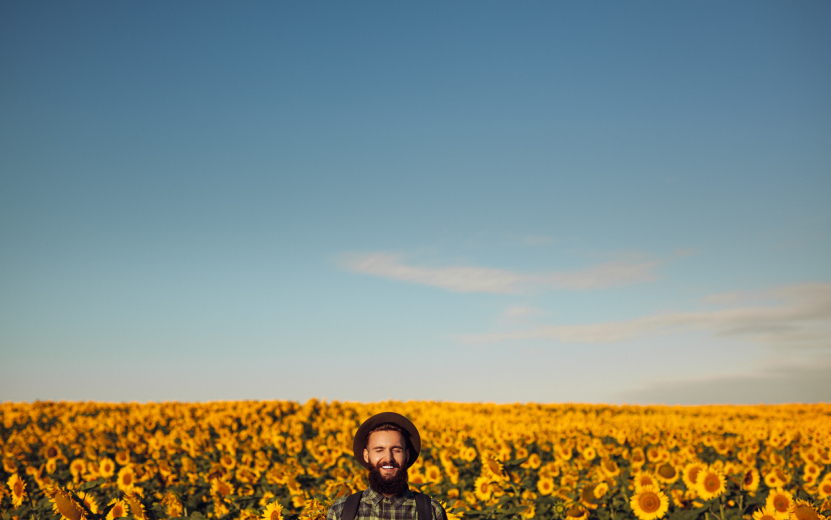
x: 374, y: 497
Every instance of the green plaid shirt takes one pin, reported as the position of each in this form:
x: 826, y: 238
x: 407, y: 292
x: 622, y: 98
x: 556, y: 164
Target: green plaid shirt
x: 375, y: 506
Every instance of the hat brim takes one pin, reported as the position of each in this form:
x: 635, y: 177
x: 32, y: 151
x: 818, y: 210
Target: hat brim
x: 359, y: 442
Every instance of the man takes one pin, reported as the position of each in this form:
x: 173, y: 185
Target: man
x: 386, y: 444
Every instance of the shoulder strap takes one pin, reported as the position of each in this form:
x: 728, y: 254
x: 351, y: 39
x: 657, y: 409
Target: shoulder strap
x: 350, y: 510
x: 425, y: 507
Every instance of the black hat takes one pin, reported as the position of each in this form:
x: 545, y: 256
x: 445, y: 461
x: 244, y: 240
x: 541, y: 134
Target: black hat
x: 361, y: 436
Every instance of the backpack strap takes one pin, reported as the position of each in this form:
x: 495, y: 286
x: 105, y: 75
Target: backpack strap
x: 350, y: 510
x: 425, y: 507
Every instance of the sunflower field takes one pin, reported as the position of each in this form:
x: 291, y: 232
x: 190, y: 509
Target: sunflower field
x: 282, y: 460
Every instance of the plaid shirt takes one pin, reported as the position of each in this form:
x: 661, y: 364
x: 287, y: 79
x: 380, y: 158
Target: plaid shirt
x: 375, y: 506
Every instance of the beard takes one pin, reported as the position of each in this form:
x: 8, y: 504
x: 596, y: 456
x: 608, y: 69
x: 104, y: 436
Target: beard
x: 389, y: 486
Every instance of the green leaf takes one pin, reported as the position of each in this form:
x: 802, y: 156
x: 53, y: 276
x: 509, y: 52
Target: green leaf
x: 91, y: 485
x: 687, y: 514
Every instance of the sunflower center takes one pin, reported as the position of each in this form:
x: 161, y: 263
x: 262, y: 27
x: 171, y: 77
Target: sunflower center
x: 51, y: 453
x: 805, y: 513
x: 748, y: 478
x: 67, y: 507
x: 712, y: 483
x: 666, y: 471
x: 649, y: 502
x: 18, y: 487
x: 780, y: 503
x: 694, y: 474
x: 275, y: 515
x: 118, y: 511
x: 127, y: 479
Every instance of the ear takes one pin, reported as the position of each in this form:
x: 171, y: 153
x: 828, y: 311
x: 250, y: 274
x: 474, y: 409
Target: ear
x: 366, y: 455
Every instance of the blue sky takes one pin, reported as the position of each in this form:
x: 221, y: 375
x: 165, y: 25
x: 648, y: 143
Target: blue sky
x: 489, y: 201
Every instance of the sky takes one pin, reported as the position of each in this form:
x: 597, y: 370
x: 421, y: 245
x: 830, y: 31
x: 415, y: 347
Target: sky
x: 594, y: 202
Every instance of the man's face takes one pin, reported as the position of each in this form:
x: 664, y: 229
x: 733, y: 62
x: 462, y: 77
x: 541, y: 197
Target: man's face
x: 387, y: 452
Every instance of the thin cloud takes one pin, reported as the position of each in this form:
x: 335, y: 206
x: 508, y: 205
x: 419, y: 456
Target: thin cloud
x: 473, y: 279
x: 788, y: 384
x: 801, y: 317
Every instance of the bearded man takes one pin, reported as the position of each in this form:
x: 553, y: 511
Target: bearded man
x: 386, y: 444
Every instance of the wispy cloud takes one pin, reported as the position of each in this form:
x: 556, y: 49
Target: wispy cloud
x: 470, y: 279
x: 783, y: 384
x: 800, y: 316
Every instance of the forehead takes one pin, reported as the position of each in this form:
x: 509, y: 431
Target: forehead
x: 385, y: 438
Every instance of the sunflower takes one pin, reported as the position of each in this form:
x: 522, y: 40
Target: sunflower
x: 221, y: 487
x: 469, y: 454
x: 64, y: 505
x: 9, y: 465
x: 451, y: 516
x: 589, y: 453
x: 776, y: 478
x: 52, y: 452
x: 482, y: 488
x: 600, y: 490
x: 126, y: 479
x: 811, y: 470
x: 649, y: 503
x: 534, y: 461
x: 173, y: 507
x: 493, y: 468
x: 545, y: 486
x: 643, y: 479
x: 765, y: 513
x: 88, y: 501
x: 51, y: 466
x: 106, y: 467
x: 780, y: 501
x: 824, y: 486
x: 273, y: 511
x: 750, y: 480
x: 667, y: 473
x: 227, y: 461
x: 802, y: 510
x: 432, y: 473
x: 529, y: 512
x: 587, y: 497
x: 220, y: 509
x: 122, y: 457
x: 710, y: 483
x: 118, y: 510
x: 610, y: 468
x: 577, y: 513
x: 637, y: 458
x: 76, y: 467
x: 690, y: 474
x: 136, y: 507
x: 337, y: 489
x: 18, y: 489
